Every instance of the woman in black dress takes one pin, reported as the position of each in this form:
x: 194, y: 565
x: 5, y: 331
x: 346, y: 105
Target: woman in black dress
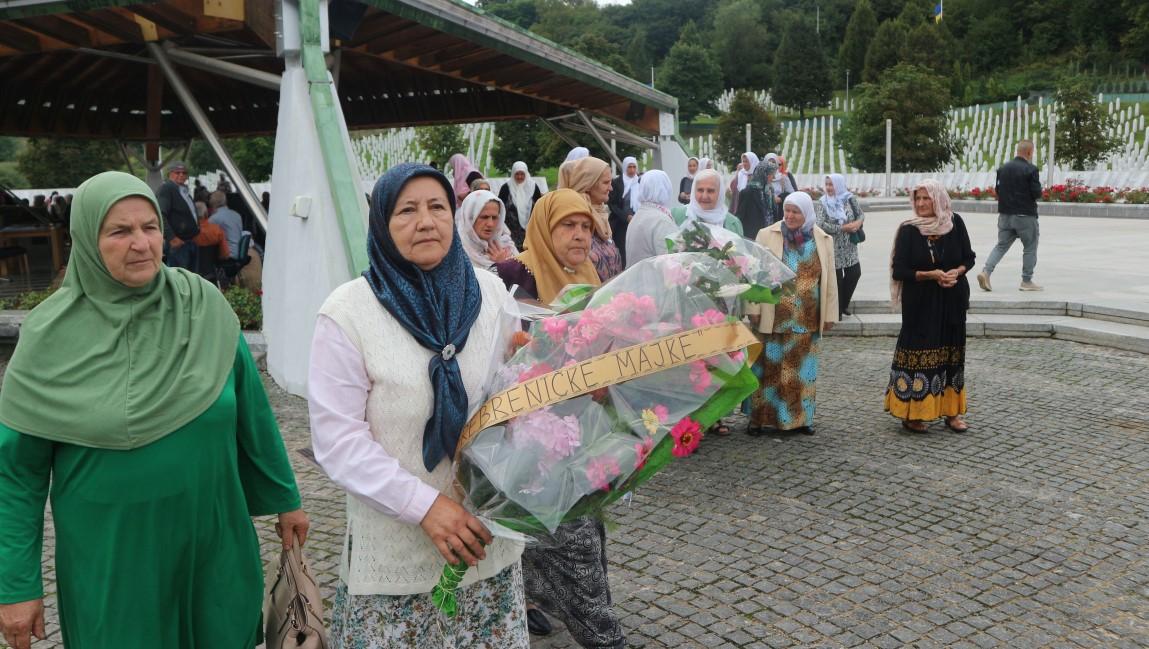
x: 931, y: 256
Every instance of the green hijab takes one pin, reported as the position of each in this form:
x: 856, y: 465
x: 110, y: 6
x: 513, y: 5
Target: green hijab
x: 104, y: 365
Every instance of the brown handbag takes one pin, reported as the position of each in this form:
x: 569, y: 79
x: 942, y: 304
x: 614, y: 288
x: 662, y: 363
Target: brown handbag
x: 294, y: 610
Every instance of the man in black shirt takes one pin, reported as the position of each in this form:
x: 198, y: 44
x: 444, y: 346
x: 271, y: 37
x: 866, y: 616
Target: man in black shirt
x: 1018, y: 188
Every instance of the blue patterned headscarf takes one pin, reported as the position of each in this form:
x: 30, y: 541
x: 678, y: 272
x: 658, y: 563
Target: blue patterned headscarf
x: 437, y: 307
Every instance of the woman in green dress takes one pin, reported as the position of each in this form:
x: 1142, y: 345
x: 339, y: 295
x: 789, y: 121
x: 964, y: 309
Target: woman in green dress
x: 133, y: 401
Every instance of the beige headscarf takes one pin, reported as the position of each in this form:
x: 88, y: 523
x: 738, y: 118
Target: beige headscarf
x: 941, y: 223
x: 580, y: 175
x: 551, y: 276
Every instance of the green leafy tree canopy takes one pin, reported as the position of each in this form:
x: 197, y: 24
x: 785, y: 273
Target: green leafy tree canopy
x: 66, y: 162
x: 740, y: 34
x: 253, y: 155
x: 1082, y: 128
x: 801, y: 73
x: 690, y: 74
x: 440, y: 142
x: 860, y: 32
x: 885, y: 50
x: 916, y: 101
x: 765, y: 133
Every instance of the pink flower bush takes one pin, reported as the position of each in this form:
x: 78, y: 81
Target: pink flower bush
x: 687, y: 436
x: 601, y: 470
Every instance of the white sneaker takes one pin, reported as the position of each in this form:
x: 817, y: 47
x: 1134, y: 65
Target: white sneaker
x: 983, y: 281
x: 1030, y: 286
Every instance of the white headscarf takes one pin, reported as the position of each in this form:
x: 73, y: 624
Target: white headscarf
x: 696, y: 169
x: 578, y: 153
x: 655, y: 187
x: 465, y: 218
x: 521, y: 193
x: 630, y: 183
x: 744, y: 174
x: 704, y: 163
x: 803, y: 201
x: 716, y: 215
x: 836, y: 205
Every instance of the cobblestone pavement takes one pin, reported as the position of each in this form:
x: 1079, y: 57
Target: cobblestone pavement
x: 1030, y: 530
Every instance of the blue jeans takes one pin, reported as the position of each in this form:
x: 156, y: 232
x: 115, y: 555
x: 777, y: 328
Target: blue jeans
x: 1010, y: 228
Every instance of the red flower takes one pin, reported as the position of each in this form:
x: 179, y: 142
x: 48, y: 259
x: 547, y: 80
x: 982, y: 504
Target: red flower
x: 687, y: 435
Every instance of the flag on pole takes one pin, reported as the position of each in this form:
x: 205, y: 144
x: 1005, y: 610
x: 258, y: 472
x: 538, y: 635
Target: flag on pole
x: 938, y: 11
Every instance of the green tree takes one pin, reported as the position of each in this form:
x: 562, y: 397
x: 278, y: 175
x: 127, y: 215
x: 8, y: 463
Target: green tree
x: 801, y: 73
x: 638, y: 56
x: 253, y: 156
x: 914, y: 13
x: 1135, y: 42
x: 1082, y: 127
x: 10, y: 177
x: 526, y: 140
x: 991, y: 43
x: 690, y: 74
x: 440, y: 142
x: 739, y: 35
x: 765, y: 133
x: 522, y: 13
x: 564, y: 21
x: 916, y: 100
x: 860, y: 32
x: 885, y: 50
x: 597, y: 47
x: 662, y: 20
x: 66, y: 162
x: 9, y: 147
x: 930, y: 46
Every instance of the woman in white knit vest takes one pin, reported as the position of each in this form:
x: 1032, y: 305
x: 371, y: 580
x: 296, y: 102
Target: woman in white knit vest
x: 398, y: 357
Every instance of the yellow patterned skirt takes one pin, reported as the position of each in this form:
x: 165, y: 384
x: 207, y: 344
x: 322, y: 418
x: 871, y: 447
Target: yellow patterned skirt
x: 929, y: 383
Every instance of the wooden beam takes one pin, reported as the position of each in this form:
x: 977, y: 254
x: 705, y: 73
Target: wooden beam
x: 472, y: 72
x: 437, y: 58
x: 61, y: 30
x: 112, y: 24
x: 18, y: 39
x: 460, y: 62
x: 417, y: 49
x: 166, y: 17
x: 400, y: 39
x: 260, y: 19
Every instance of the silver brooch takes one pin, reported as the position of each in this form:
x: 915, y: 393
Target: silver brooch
x: 448, y: 352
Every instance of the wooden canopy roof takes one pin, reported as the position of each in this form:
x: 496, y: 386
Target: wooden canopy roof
x: 81, y: 68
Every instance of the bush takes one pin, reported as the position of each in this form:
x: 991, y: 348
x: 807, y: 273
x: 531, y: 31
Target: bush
x: 248, y: 306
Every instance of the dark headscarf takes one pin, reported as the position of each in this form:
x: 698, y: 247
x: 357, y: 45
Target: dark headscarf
x: 437, y: 307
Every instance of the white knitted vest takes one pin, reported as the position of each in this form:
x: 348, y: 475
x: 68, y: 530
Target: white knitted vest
x: 381, y: 555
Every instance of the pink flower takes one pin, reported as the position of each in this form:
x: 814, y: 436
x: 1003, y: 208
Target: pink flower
x: 699, y: 376
x: 585, y: 331
x: 740, y: 264
x: 642, y: 451
x: 687, y: 436
x: 553, y: 436
x: 601, y: 470
x: 661, y: 412
x: 675, y: 274
x: 737, y: 356
x: 556, y: 328
x: 709, y: 317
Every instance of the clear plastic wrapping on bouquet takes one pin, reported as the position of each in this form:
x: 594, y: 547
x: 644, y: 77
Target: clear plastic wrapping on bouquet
x: 760, y: 274
x: 569, y: 459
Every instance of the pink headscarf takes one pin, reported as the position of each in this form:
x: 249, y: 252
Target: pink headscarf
x: 940, y: 224
x: 461, y: 167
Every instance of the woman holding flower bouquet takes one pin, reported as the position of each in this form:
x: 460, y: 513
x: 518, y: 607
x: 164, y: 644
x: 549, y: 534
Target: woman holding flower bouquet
x: 398, y: 357
x: 791, y: 330
x: 568, y: 579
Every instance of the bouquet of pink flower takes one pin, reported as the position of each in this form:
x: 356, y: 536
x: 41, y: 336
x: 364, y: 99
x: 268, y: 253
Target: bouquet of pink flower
x: 760, y: 274
x: 597, y: 401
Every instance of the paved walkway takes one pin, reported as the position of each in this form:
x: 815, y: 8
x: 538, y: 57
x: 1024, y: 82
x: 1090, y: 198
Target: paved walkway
x: 1030, y: 530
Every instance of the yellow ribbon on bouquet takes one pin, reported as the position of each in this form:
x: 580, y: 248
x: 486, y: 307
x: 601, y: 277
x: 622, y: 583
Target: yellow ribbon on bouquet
x: 603, y: 371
